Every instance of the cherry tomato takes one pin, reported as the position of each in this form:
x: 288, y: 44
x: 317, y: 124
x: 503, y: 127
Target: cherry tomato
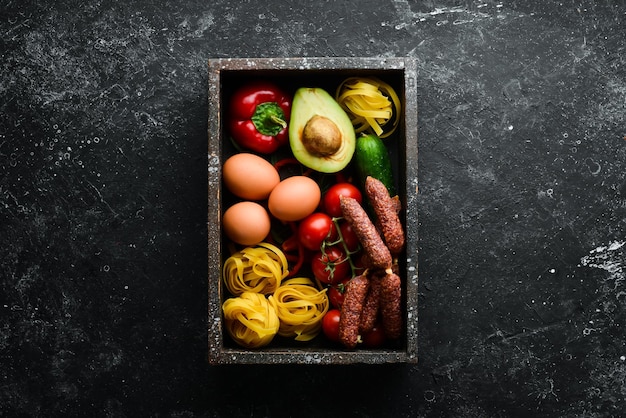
x: 331, y: 265
x: 349, y: 236
x: 374, y: 338
x: 330, y: 200
x: 316, y: 228
x: 330, y: 324
x: 336, y: 293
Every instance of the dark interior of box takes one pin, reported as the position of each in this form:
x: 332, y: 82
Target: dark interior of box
x: 290, y: 81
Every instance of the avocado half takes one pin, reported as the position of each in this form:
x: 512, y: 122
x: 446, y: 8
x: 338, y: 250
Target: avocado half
x: 321, y: 134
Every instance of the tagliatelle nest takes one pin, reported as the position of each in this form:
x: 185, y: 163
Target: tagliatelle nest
x: 250, y: 320
x: 371, y: 105
x: 300, y: 307
x: 258, y: 269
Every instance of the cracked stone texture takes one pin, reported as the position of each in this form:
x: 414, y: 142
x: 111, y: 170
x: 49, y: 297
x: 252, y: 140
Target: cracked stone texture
x: 522, y: 203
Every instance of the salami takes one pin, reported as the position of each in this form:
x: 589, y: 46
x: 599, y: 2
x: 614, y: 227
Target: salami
x: 377, y: 252
x: 351, y: 309
x: 386, y: 209
x: 391, y: 305
x: 371, y: 304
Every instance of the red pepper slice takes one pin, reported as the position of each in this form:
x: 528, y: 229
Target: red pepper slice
x: 259, y: 117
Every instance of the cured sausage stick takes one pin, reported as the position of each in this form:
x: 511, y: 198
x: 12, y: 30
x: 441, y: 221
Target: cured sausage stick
x: 386, y: 212
x: 377, y: 252
x: 371, y: 305
x: 351, y: 311
x: 391, y: 305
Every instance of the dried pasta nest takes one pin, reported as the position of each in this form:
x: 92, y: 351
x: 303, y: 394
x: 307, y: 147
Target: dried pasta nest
x: 300, y: 306
x: 250, y: 320
x: 258, y: 269
x: 372, y: 105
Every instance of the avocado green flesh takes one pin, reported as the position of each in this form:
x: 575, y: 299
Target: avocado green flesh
x: 311, y: 102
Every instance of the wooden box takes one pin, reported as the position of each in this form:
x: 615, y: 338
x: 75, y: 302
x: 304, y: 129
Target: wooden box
x: 224, y: 76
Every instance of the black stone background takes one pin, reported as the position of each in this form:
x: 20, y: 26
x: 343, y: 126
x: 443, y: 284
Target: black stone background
x: 103, y: 163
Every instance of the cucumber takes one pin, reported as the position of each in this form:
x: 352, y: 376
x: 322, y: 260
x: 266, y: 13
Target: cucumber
x: 372, y: 159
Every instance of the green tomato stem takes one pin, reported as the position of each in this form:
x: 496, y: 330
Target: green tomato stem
x: 349, y: 253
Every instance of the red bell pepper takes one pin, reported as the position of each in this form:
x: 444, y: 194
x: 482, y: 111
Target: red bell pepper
x: 259, y: 117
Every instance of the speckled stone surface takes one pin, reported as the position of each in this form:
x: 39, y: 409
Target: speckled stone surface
x: 522, y: 203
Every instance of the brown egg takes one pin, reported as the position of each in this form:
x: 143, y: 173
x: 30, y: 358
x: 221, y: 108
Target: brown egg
x: 294, y: 198
x: 249, y: 176
x: 246, y: 223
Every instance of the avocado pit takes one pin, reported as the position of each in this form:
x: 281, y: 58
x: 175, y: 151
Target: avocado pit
x: 321, y: 136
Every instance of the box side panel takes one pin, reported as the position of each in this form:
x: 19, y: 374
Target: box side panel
x: 411, y: 158
x: 312, y: 357
x: 214, y: 168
